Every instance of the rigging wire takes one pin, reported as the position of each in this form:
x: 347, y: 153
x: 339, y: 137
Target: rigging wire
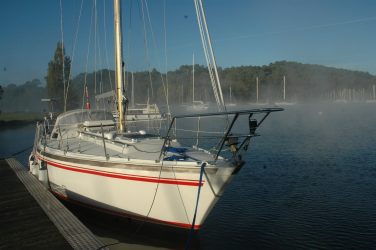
x: 152, y: 203
x: 209, y: 55
x: 147, y: 59
x: 212, y: 55
x: 97, y: 53
x: 66, y: 82
x: 147, y: 26
x: 129, y: 48
x: 16, y: 153
x: 62, y: 54
x: 181, y: 197
x: 95, y: 46
x: 87, y: 55
x: 204, y: 44
x: 165, y: 50
x: 164, y: 82
x: 74, y: 48
x: 105, y: 44
x: 191, y: 231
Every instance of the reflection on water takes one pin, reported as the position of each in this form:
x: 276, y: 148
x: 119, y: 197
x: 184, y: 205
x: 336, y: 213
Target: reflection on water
x: 123, y: 233
x: 14, y: 139
x: 309, y: 182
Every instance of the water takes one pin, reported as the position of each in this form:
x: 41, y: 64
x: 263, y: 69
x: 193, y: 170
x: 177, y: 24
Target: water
x: 309, y: 183
x: 15, y: 139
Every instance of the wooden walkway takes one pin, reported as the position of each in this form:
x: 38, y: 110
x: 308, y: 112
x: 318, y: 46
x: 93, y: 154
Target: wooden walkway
x: 24, y: 204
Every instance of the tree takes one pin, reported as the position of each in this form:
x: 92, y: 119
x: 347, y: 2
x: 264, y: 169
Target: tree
x: 1, y: 93
x: 58, y: 80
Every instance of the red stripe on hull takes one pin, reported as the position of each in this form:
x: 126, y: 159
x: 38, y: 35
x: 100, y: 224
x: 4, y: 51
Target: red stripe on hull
x: 125, y: 177
x: 168, y: 223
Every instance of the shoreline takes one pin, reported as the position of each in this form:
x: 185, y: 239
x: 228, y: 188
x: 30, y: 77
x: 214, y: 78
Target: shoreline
x: 18, y: 119
x: 18, y: 123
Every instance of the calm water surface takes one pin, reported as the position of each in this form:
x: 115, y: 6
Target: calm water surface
x: 309, y: 183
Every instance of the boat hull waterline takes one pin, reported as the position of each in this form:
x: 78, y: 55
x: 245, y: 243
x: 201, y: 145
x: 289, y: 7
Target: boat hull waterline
x: 83, y: 159
x: 165, y: 195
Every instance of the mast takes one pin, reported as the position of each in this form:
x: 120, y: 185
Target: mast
x: 257, y: 89
x: 193, y: 77
x: 118, y: 63
x: 230, y: 94
x: 182, y: 93
x: 284, y: 88
x: 374, y: 96
x: 132, y: 97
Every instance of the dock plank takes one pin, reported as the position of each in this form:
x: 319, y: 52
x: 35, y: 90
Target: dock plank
x: 24, y: 204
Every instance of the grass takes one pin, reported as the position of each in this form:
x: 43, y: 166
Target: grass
x: 20, y: 116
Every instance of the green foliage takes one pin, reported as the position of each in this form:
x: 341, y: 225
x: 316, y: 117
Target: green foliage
x: 23, y: 98
x: 304, y: 83
x: 20, y: 116
x: 1, y: 94
x: 58, y: 81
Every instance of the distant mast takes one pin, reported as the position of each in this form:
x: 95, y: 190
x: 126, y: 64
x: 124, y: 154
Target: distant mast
x: 257, y: 89
x: 284, y: 88
x: 132, y: 97
x: 118, y: 63
x: 193, y: 77
x: 230, y: 93
x: 374, y: 94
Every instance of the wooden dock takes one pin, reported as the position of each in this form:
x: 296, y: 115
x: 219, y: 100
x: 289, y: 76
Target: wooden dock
x: 31, y: 217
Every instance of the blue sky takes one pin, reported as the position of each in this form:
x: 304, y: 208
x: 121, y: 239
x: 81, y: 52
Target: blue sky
x: 338, y: 33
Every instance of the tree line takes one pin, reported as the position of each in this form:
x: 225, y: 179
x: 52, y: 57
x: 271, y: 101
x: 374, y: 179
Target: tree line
x: 303, y: 83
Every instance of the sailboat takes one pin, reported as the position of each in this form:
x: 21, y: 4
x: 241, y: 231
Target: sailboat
x: 231, y: 104
x: 373, y: 100
x: 197, y: 105
x: 258, y: 103
x: 135, y: 112
x: 91, y: 160
x: 284, y: 102
x: 142, y: 112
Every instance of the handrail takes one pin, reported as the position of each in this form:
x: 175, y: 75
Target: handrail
x: 218, y: 148
x: 240, y: 112
x: 236, y: 114
x: 226, y: 135
x: 104, y: 144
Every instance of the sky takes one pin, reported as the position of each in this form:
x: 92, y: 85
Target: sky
x: 335, y: 33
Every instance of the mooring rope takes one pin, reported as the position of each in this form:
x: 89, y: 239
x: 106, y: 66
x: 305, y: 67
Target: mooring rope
x: 187, y: 246
x: 17, y: 153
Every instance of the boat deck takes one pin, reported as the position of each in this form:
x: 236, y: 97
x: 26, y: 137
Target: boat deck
x: 32, y: 218
x: 145, y: 149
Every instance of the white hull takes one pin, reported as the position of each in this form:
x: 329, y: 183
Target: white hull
x: 144, y: 112
x: 144, y: 117
x: 128, y: 189
x: 90, y: 159
x: 285, y: 103
x: 258, y: 103
x: 371, y: 101
x: 136, y: 174
x: 341, y: 101
x: 195, y: 108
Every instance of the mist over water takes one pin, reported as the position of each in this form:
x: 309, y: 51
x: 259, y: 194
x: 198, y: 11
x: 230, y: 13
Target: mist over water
x: 309, y: 183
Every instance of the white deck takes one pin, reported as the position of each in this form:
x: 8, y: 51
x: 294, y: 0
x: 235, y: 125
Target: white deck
x: 148, y: 149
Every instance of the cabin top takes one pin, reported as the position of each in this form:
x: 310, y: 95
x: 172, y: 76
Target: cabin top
x: 80, y: 116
